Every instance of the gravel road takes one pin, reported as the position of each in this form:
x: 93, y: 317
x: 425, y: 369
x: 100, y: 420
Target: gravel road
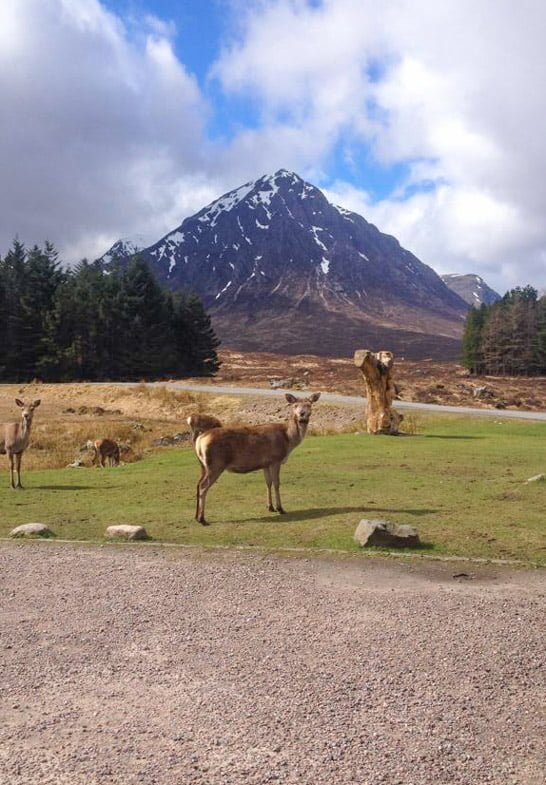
x: 167, y: 666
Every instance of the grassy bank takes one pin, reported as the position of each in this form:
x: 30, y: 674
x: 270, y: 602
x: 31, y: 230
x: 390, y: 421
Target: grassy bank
x: 459, y: 480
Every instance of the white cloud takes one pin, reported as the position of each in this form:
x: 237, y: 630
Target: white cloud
x: 452, y: 89
x: 101, y: 133
x: 104, y: 130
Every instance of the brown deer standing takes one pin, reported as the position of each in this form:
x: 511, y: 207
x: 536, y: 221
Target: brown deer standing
x: 247, y: 449
x: 103, y: 449
x: 199, y: 423
x: 15, y: 440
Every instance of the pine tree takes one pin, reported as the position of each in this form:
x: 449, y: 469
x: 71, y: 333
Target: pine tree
x: 539, y: 343
x: 13, y: 273
x: 472, y: 352
x: 496, y: 340
x: 148, y: 349
x: 41, y: 280
x: 196, y: 339
x: 72, y: 346
x: 3, y: 330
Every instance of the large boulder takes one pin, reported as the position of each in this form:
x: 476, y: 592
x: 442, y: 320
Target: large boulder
x: 31, y: 530
x: 124, y: 531
x: 385, y: 533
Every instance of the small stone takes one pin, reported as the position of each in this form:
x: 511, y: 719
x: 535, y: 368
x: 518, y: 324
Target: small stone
x: 31, y: 530
x: 536, y: 478
x: 385, y: 533
x: 77, y: 464
x: 124, y: 531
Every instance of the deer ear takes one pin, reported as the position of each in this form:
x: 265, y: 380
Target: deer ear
x: 314, y: 398
x: 290, y: 398
x: 20, y: 403
x: 36, y: 403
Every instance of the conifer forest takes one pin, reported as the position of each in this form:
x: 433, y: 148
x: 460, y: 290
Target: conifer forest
x: 508, y: 337
x: 95, y: 323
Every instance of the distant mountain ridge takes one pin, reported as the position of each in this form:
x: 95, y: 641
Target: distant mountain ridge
x: 471, y: 288
x: 280, y: 268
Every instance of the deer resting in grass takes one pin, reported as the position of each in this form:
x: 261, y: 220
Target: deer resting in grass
x: 250, y: 448
x: 199, y: 423
x: 15, y: 440
x: 104, y: 449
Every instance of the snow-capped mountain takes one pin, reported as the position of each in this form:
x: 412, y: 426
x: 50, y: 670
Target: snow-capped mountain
x: 281, y: 268
x: 125, y: 248
x: 471, y: 288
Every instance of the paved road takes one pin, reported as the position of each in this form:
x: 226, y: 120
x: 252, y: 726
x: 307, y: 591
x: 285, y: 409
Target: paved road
x: 352, y: 400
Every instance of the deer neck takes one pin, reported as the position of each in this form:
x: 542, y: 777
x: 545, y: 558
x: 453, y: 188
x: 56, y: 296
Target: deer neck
x: 296, y: 432
x: 24, y: 431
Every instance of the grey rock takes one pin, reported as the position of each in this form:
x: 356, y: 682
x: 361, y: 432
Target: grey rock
x: 31, y: 530
x: 385, y: 533
x: 483, y: 391
x: 292, y: 383
x: 126, y: 532
x: 171, y: 440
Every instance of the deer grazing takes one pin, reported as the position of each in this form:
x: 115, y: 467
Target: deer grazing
x: 250, y: 448
x: 199, y: 423
x: 15, y: 440
x: 104, y: 449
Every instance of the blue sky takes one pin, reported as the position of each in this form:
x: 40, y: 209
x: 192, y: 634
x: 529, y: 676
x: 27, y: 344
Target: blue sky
x: 121, y: 117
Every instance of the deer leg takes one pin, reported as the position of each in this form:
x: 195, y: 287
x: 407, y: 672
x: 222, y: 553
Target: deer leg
x: 11, y: 470
x: 197, y: 505
x: 268, y: 482
x: 276, y: 474
x: 18, y: 457
x: 210, y: 477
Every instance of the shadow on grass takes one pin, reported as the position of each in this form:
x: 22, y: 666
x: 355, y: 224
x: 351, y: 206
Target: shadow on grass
x: 325, y: 512
x: 410, y: 511
x: 67, y: 488
x: 423, y: 546
x: 447, y: 436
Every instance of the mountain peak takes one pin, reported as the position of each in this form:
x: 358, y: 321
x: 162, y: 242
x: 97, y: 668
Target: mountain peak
x: 275, y: 253
x: 471, y: 288
x: 124, y: 247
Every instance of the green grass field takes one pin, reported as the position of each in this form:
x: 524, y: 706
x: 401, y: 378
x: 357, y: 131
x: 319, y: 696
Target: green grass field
x: 460, y: 481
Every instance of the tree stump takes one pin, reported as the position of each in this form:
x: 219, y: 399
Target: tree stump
x: 376, y: 368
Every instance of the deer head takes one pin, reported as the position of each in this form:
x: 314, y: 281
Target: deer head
x: 301, y: 407
x: 28, y: 410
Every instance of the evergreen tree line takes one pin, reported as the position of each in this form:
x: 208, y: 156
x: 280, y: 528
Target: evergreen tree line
x: 507, y: 338
x: 91, y: 323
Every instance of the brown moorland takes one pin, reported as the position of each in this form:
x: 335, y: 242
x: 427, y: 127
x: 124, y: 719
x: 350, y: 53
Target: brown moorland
x: 425, y: 381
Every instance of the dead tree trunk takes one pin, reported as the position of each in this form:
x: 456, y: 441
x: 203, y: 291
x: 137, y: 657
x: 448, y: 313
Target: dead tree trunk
x: 376, y: 368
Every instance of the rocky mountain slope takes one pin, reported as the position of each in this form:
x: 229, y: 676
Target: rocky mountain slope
x: 282, y: 269
x: 471, y: 288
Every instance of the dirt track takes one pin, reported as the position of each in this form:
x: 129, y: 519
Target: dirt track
x: 154, y: 665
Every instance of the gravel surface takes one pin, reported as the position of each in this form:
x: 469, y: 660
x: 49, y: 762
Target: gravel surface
x: 142, y: 664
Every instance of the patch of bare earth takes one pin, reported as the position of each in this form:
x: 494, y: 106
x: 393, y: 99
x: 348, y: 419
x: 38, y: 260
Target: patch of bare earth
x: 161, y: 666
